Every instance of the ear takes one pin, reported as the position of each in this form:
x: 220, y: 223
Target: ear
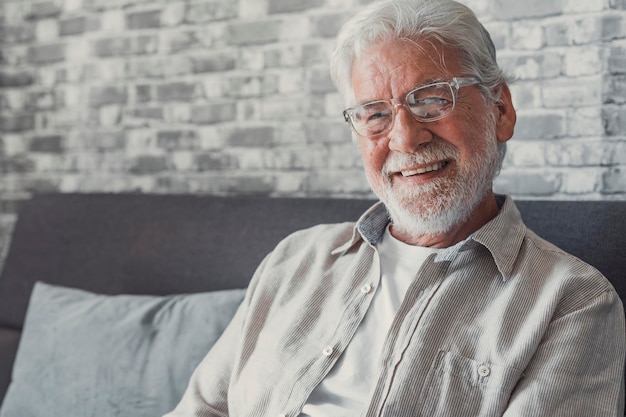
x: 505, y: 124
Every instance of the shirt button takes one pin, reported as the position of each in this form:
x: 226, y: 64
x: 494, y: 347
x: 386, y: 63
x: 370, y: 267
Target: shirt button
x: 328, y: 350
x: 483, y: 370
x: 366, y: 289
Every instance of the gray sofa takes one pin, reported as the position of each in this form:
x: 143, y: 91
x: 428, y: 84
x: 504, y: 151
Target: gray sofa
x: 172, y: 269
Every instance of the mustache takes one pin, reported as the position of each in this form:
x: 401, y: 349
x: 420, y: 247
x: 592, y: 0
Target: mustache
x: 435, y: 150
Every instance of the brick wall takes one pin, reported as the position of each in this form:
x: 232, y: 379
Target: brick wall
x: 231, y: 97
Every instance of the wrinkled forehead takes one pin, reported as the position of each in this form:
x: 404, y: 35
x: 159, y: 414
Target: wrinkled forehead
x: 390, y: 69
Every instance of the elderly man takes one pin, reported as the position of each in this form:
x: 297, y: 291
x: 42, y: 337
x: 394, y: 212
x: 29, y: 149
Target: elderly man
x: 438, y: 301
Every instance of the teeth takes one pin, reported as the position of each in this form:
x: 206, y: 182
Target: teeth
x: 433, y: 167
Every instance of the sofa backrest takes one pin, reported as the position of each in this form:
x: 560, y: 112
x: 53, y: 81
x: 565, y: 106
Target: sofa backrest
x: 166, y: 244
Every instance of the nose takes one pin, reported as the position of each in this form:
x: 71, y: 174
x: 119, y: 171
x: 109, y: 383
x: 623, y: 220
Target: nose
x: 407, y: 133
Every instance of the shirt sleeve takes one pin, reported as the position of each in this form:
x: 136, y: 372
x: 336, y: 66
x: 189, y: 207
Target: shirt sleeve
x: 207, y: 392
x: 578, y: 368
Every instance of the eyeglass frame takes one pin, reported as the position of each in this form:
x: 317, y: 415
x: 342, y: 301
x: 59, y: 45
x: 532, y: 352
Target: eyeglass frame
x: 454, y: 84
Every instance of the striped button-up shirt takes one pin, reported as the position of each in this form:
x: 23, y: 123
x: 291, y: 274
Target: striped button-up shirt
x: 500, y: 324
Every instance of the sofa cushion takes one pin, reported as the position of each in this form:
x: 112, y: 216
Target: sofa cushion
x: 83, y: 353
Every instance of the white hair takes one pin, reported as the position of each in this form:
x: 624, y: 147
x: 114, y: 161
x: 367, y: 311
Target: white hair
x: 448, y: 22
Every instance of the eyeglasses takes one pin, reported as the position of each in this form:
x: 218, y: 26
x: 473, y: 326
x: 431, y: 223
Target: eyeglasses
x: 426, y: 103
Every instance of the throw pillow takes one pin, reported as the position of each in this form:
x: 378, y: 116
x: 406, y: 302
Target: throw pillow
x: 85, y: 354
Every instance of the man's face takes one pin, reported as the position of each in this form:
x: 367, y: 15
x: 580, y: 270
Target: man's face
x: 432, y: 176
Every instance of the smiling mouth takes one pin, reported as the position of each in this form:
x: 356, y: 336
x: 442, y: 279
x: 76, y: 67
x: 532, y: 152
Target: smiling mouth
x: 430, y: 168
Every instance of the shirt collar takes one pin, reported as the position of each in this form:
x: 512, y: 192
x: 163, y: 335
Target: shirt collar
x: 502, y: 236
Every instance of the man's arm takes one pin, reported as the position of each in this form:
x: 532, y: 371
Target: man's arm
x: 578, y: 369
x: 207, y: 392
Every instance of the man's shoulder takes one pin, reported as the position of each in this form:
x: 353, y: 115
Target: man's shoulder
x: 326, y: 235
x: 552, y: 267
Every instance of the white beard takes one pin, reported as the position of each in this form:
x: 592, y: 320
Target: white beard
x: 444, y: 203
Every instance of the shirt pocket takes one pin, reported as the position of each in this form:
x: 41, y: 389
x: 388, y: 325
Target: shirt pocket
x: 462, y: 387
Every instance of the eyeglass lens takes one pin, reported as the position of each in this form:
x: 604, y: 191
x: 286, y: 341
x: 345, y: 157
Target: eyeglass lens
x: 426, y: 103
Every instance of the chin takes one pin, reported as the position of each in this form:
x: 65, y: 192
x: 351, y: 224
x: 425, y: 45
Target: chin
x: 435, y: 209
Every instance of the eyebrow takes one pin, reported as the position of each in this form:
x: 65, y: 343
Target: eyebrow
x: 423, y: 84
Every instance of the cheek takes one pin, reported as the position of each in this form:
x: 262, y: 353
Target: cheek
x: 373, y: 153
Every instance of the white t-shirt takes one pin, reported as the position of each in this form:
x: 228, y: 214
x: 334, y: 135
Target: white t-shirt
x: 344, y: 390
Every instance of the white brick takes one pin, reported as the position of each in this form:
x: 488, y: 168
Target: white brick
x: 295, y: 27
x: 580, y: 61
x: 527, y: 35
x: 173, y: 13
x: 586, y: 29
x: 113, y: 21
x: 13, y: 144
x: 290, y: 81
x: 585, y: 121
x: 213, y: 86
x: 78, y: 50
x: 70, y: 6
x: 526, y: 95
x: 110, y: 115
x: 251, y: 9
x: 47, y: 30
x: 290, y: 183
x: 291, y: 132
x: 15, y: 99
x: 177, y: 113
x: 210, y: 138
x: 572, y: 92
x: 527, y: 153
x: 183, y: 160
x: 73, y: 95
x: 580, y: 6
x: 574, y: 153
x: 581, y: 181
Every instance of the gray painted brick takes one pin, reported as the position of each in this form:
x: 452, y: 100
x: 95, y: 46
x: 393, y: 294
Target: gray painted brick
x: 259, y: 136
x: 328, y: 25
x: 614, y: 118
x: 177, y: 139
x: 528, y: 183
x: 139, y: 45
x: 178, y: 41
x: 212, y: 161
x: 43, y: 9
x: 15, y: 79
x: 176, y: 91
x: 144, y: 20
x: 77, y: 26
x: 143, y: 93
x: 617, y: 60
x: 321, y: 81
x: 290, y: 6
x: 613, y: 27
x: 614, y: 180
x: 214, y: 113
x: 46, y: 54
x: 17, y: 122
x: 254, y: 33
x: 102, y: 96
x: 155, y: 113
x: 147, y: 165
x: 209, y: 11
x: 21, y: 163
x: 615, y: 89
x: 11, y: 33
x: 539, y: 126
x: 511, y: 10
x: 213, y: 62
x: 47, y: 144
x: 250, y: 184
